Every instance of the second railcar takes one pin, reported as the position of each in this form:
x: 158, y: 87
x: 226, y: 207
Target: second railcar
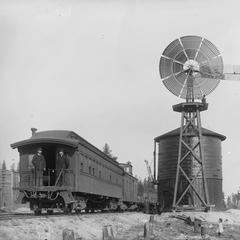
x: 129, y: 189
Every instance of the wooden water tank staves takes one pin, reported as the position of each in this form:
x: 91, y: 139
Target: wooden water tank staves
x: 167, y: 165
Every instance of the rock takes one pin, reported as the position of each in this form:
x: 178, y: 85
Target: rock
x: 168, y: 224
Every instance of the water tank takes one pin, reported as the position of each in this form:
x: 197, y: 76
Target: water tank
x: 167, y: 164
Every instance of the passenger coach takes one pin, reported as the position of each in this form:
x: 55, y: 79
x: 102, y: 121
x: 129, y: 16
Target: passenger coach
x: 92, y: 181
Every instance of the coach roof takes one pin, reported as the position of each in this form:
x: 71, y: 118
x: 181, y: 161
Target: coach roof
x: 57, y: 137
x: 64, y: 137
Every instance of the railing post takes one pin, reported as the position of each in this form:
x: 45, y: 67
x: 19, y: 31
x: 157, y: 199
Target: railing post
x: 64, y: 177
x: 35, y: 178
x: 49, y: 176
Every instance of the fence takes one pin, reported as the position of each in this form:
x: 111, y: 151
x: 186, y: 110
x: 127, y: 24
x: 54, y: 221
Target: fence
x: 49, y: 177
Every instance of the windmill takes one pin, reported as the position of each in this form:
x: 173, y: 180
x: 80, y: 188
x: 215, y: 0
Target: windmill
x: 191, y: 67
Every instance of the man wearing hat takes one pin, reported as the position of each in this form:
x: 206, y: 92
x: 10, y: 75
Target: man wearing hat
x: 39, y: 164
x: 62, y: 164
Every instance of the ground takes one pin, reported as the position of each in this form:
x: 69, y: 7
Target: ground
x: 126, y: 226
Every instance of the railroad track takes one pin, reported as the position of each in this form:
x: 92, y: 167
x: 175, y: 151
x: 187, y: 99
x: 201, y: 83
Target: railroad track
x: 12, y: 216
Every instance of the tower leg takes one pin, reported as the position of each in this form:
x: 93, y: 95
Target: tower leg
x: 178, y: 162
x: 202, y: 157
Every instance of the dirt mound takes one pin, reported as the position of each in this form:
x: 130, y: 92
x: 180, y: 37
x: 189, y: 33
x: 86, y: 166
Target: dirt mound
x: 126, y: 226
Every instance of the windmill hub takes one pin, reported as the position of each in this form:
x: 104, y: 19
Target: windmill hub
x: 191, y: 65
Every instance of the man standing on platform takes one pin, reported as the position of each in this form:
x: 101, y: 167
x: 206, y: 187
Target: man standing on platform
x: 39, y: 164
x: 204, y: 101
x: 62, y: 164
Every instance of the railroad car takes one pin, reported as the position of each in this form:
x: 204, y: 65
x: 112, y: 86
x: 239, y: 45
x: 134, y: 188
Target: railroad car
x: 129, y: 188
x: 92, y: 181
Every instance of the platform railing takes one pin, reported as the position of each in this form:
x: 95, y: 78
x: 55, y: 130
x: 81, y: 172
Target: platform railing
x: 48, y: 177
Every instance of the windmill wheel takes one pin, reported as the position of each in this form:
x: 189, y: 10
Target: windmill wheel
x: 191, y: 65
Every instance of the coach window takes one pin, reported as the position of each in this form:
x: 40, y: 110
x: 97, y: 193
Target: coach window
x: 110, y: 178
x: 81, y: 167
x: 93, y: 171
x: 90, y: 170
x: 104, y: 172
x: 100, y: 174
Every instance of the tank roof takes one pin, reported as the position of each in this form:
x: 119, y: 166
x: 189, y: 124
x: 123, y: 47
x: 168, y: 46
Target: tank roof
x: 176, y: 132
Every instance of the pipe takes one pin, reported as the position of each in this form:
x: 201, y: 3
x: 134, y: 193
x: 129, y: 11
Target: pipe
x: 154, y: 162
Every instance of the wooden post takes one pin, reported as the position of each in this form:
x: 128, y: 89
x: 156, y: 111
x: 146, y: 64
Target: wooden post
x: 148, y: 231
x: 77, y: 237
x: 68, y: 234
x: 107, y: 233
x: 146, y: 207
x: 203, y: 231
x: 197, y: 225
x: 151, y: 220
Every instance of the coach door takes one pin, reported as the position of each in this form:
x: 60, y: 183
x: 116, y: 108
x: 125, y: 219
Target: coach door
x: 49, y: 153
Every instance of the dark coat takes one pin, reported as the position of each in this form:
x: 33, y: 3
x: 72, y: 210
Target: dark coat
x: 62, y: 162
x: 39, y: 162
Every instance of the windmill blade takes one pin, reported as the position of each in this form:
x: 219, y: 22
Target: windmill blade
x: 173, y: 49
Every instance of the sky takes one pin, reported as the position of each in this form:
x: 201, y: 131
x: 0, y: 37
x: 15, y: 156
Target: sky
x: 92, y: 67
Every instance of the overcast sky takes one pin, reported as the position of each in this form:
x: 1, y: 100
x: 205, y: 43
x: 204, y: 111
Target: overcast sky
x: 92, y: 67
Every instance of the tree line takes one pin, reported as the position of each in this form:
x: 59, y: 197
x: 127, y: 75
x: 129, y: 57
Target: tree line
x: 145, y: 186
x: 233, y: 201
